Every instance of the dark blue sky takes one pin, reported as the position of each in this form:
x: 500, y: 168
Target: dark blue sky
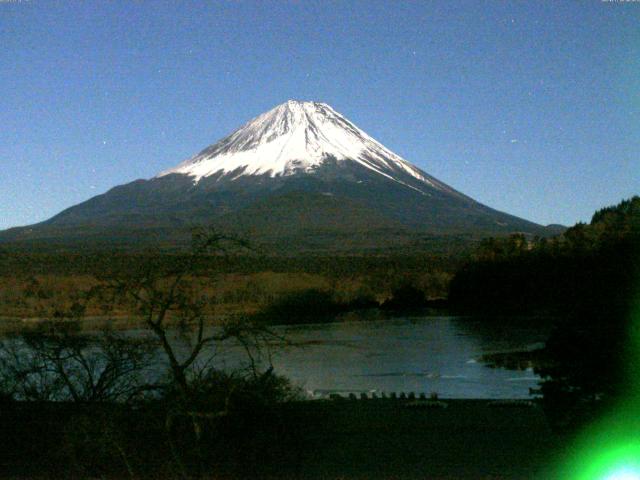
x: 529, y: 107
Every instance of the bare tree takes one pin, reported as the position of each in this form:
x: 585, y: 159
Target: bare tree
x: 199, y: 393
x: 57, y: 362
x: 161, y: 294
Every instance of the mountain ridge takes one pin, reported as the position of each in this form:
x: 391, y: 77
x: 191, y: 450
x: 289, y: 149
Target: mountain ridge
x: 294, y: 158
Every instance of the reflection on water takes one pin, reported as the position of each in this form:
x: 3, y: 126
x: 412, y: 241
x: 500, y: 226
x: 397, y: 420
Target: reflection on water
x: 404, y: 355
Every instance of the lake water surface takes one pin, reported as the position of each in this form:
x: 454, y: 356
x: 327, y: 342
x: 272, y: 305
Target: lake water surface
x: 424, y: 354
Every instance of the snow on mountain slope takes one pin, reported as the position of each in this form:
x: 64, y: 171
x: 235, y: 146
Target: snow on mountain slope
x: 297, y: 137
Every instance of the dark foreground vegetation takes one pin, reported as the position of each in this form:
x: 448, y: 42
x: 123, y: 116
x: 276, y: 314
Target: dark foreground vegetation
x: 297, y: 440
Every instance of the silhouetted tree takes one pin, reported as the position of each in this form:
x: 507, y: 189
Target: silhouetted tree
x: 55, y: 361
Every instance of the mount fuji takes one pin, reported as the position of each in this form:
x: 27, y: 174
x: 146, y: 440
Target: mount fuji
x: 298, y: 177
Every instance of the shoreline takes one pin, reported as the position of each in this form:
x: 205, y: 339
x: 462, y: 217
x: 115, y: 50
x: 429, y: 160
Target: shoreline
x: 17, y: 324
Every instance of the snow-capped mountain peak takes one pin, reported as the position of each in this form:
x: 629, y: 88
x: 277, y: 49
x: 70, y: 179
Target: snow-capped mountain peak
x: 297, y: 137
x: 298, y: 178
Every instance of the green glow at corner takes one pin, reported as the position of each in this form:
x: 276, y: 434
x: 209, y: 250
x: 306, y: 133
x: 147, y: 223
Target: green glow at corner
x: 603, y: 463
x: 624, y: 474
x: 610, y: 448
x: 617, y: 464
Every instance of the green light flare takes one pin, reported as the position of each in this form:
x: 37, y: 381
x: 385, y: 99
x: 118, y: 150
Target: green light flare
x: 624, y: 474
x: 609, y: 449
x: 621, y: 463
x: 605, y: 453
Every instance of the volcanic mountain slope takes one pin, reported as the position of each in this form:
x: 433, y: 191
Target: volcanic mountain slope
x: 299, y: 174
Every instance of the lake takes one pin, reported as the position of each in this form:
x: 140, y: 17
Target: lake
x: 418, y: 354
x: 427, y: 355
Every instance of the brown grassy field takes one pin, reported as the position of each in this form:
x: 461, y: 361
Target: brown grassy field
x: 26, y: 298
